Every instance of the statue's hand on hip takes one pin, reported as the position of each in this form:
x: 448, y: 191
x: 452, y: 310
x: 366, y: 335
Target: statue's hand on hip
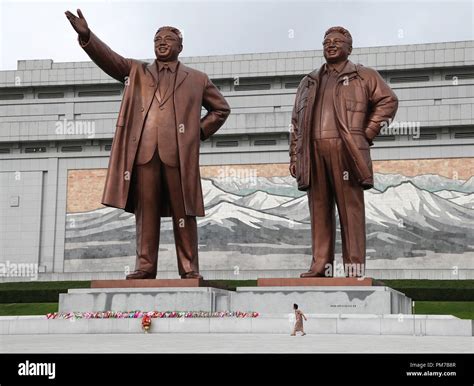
x: 293, y: 169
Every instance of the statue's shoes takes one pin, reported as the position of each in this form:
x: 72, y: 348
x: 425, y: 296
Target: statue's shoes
x: 191, y: 275
x: 136, y: 275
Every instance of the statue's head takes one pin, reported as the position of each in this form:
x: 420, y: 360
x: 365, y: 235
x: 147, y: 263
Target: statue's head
x: 337, y: 44
x: 168, y: 43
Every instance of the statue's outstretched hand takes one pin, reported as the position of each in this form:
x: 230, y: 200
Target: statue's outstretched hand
x: 79, y: 24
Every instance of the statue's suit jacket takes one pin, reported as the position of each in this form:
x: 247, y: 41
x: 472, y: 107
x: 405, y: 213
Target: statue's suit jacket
x: 193, y: 90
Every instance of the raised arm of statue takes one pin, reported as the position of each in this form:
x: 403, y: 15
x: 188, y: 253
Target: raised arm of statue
x: 108, y: 60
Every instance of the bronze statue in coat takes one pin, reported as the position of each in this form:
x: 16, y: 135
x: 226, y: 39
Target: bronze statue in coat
x: 154, y: 162
x: 338, y: 111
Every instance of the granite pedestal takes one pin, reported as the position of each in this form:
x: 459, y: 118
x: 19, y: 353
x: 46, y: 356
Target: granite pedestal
x: 264, y: 300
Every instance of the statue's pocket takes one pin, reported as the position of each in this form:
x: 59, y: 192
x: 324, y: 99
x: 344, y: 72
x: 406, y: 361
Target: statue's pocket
x: 355, y: 106
x: 363, y: 146
x: 360, y: 139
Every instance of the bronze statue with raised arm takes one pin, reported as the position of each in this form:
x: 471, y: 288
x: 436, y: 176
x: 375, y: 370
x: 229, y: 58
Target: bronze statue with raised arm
x: 154, y: 162
x: 338, y: 111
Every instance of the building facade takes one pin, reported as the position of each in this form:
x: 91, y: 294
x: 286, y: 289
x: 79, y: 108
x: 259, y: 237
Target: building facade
x: 57, y: 122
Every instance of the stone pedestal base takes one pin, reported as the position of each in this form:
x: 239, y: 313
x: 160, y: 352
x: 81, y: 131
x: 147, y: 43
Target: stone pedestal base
x: 322, y: 299
x: 145, y: 299
x: 264, y: 300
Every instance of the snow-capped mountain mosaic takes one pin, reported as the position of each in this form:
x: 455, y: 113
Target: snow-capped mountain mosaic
x: 423, y: 218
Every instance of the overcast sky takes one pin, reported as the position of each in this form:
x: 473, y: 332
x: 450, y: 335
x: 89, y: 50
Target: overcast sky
x: 40, y: 30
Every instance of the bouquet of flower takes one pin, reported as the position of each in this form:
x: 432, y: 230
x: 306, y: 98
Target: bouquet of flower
x: 146, y: 323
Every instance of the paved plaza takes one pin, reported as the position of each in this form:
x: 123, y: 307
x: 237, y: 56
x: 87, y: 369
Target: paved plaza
x: 232, y: 343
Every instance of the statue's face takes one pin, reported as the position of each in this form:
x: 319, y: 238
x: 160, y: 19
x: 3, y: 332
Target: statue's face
x: 336, y: 47
x: 167, y: 46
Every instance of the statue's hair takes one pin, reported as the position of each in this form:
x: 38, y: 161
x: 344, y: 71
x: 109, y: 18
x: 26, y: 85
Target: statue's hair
x: 341, y: 30
x: 176, y: 31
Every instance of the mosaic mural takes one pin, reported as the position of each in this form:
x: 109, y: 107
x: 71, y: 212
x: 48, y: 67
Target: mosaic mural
x: 256, y: 221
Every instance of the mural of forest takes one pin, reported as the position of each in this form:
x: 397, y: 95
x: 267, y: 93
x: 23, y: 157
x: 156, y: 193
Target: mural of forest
x: 263, y: 222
